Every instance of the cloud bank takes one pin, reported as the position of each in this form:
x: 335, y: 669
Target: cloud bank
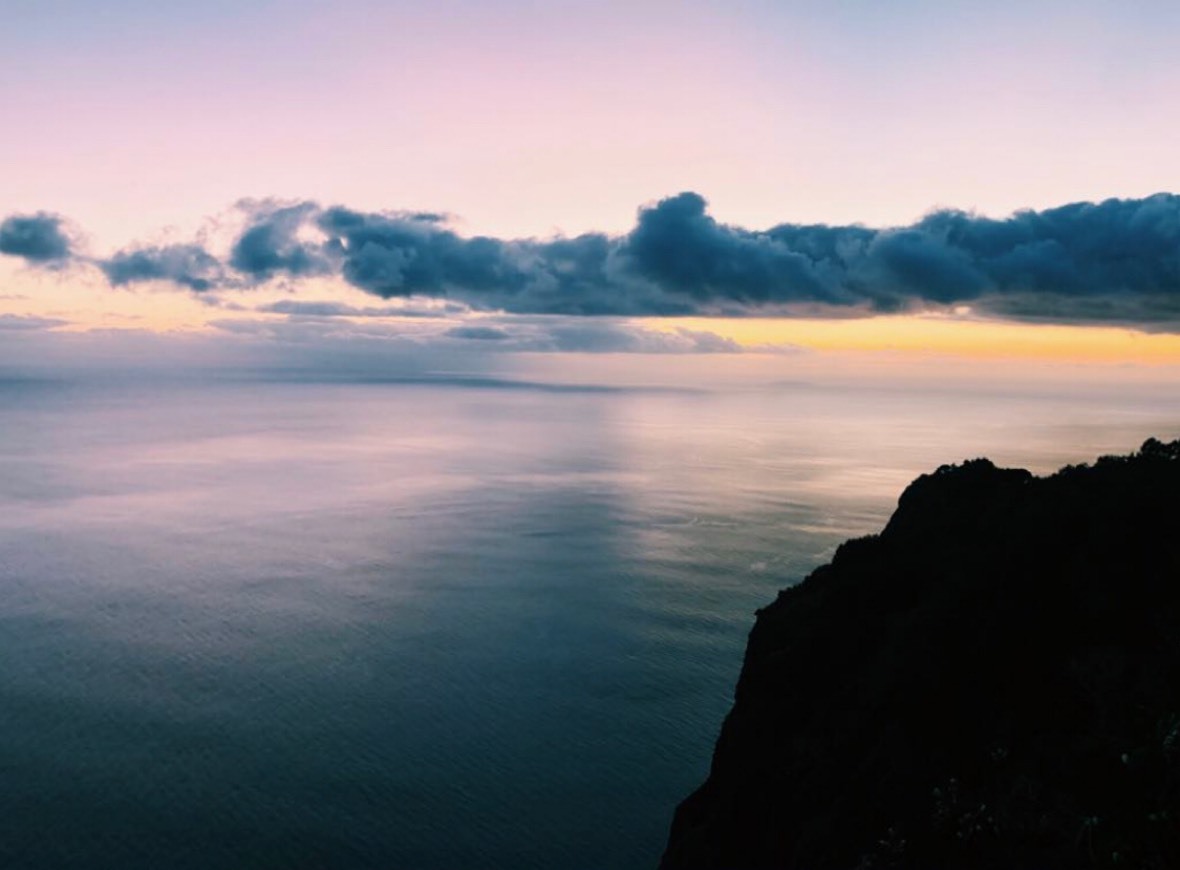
x: 1112, y: 261
x: 317, y: 323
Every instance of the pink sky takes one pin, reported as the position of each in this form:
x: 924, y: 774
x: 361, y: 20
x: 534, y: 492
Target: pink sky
x: 524, y: 118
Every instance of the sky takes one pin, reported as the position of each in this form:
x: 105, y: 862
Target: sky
x: 981, y: 180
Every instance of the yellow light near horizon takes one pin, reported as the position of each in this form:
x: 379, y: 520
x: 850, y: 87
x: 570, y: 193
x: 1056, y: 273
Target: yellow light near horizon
x: 961, y: 336
x: 84, y: 302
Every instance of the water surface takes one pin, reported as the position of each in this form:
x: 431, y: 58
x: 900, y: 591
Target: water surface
x: 423, y: 625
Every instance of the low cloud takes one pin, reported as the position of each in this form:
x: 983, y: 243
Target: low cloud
x: 309, y: 308
x: 478, y: 333
x: 21, y: 323
x: 600, y: 337
x: 1116, y: 261
x: 188, y: 266
x: 494, y: 334
x: 581, y: 335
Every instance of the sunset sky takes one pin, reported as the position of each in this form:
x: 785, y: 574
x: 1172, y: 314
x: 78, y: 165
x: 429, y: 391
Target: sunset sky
x: 406, y: 405
x: 514, y: 174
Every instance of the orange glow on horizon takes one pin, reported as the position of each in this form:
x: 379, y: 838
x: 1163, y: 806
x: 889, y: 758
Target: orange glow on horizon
x: 958, y: 336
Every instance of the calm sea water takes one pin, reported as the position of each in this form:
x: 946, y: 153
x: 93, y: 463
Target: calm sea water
x: 427, y: 626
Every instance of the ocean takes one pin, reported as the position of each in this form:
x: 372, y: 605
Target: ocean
x: 427, y: 624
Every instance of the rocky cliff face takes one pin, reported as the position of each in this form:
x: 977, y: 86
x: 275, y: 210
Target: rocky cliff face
x: 993, y: 681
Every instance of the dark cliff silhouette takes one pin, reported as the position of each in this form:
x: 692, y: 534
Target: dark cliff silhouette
x: 993, y: 681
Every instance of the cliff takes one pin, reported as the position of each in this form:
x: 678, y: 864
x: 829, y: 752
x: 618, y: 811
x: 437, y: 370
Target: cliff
x: 993, y: 681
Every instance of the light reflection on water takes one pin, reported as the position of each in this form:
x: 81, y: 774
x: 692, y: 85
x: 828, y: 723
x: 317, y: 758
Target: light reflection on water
x: 293, y: 625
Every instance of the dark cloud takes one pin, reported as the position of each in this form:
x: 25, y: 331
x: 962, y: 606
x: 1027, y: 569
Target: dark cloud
x: 1118, y: 260
x: 682, y: 250
x: 1113, y: 261
x: 39, y: 238
x: 394, y: 255
x: 404, y: 255
x: 189, y: 266
x: 270, y: 245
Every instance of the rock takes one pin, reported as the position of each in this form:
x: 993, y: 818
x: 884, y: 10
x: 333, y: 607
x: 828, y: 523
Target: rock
x: 993, y: 681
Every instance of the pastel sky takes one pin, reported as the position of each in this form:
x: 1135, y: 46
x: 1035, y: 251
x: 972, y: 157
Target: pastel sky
x: 143, y: 125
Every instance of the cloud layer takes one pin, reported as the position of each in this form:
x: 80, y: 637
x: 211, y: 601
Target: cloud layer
x: 1113, y: 261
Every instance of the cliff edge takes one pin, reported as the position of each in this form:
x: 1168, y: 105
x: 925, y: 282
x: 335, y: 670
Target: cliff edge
x: 993, y: 681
